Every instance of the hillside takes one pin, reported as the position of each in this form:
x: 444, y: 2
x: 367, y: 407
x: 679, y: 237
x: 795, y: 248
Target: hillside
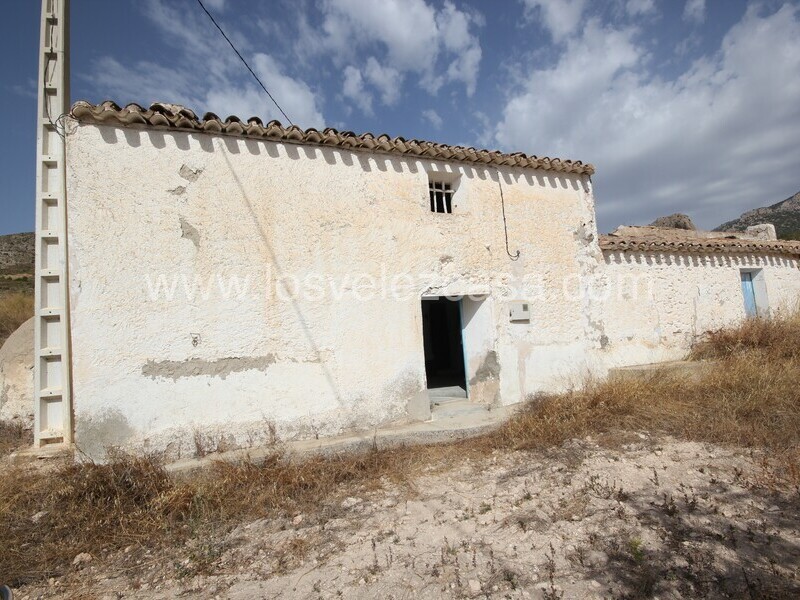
x: 16, y: 253
x: 16, y: 263
x: 785, y: 215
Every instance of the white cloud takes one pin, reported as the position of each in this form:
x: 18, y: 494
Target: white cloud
x: 694, y: 11
x: 215, y: 4
x: 223, y: 86
x: 388, y: 80
x: 454, y: 27
x: 559, y: 17
x: 400, y: 37
x: 142, y: 82
x: 433, y: 118
x: 717, y: 140
x: 353, y: 88
x: 28, y: 90
x: 407, y: 29
x: 465, y: 68
x: 640, y: 7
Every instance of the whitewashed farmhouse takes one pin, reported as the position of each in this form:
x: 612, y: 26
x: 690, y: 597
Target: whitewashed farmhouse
x: 234, y: 278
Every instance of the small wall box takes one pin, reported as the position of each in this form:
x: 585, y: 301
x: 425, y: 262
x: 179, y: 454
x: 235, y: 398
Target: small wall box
x: 520, y: 312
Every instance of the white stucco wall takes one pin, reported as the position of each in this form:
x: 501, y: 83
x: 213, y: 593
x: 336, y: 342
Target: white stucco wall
x: 152, y: 371
x: 656, y: 304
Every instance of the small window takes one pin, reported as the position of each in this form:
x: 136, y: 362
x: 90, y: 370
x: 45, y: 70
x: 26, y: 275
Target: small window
x: 441, y: 196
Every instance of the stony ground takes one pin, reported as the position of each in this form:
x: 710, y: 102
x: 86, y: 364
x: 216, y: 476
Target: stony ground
x: 653, y: 518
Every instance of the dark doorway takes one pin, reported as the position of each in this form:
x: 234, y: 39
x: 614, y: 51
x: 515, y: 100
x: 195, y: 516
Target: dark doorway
x: 444, y: 347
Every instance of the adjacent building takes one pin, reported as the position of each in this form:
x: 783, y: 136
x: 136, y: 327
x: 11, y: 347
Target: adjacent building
x: 242, y: 280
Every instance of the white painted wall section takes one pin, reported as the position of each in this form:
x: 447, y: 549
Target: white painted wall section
x: 151, y: 208
x: 657, y: 304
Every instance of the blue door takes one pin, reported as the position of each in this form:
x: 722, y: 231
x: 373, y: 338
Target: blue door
x: 749, y: 293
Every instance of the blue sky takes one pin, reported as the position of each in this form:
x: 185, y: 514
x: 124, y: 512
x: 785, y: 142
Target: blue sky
x: 682, y: 105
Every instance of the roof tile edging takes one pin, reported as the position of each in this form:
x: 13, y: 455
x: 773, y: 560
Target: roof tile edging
x: 164, y: 116
x: 719, y: 245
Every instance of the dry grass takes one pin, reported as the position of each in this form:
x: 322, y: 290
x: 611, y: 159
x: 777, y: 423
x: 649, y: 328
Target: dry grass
x: 750, y: 398
x: 15, y: 309
x: 45, y: 521
x: 778, y: 339
x: 14, y: 435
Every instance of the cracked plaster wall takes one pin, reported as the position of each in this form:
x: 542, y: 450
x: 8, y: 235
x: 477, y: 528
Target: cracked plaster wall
x: 150, y: 204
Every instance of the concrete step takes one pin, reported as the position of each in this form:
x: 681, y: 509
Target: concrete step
x: 452, y: 391
x: 441, y: 400
x: 458, y: 409
x: 684, y: 369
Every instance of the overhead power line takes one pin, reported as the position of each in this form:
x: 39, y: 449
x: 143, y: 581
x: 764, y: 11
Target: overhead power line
x: 227, y: 39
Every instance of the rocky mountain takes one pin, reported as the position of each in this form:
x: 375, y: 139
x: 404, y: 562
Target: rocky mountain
x: 17, y: 253
x: 676, y: 221
x: 785, y: 215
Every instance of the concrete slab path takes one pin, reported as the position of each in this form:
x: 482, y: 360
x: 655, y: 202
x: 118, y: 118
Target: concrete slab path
x: 452, y: 418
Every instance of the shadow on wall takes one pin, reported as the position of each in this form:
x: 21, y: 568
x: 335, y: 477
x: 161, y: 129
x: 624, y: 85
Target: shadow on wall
x: 333, y: 156
x: 694, y: 260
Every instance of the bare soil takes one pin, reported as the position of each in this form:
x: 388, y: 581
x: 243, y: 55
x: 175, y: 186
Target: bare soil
x: 643, y: 517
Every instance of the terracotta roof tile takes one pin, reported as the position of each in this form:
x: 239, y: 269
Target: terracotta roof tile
x: 172, y: 116
x: 674, y: 241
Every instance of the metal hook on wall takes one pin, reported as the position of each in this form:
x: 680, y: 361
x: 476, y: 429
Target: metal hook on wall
x: 505, y: 224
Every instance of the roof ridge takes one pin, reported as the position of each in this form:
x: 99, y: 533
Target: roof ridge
x: 612, y: 241
x: 174, y: 116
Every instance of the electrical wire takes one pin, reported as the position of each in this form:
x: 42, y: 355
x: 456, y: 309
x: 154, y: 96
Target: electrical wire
x: 59, y: 125
x: 227, y: 39
x: 505, y: 224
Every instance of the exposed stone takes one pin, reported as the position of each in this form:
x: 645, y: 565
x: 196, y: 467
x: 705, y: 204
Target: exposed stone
x: 764, y: 231
x: 351, y: 502
x: 189, y: 232
x: 676, y: 221
x: 82, y: 559
x: 175, y: 369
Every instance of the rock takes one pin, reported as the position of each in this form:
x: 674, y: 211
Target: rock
x: 16, y: 375
x: 350, y: 502
x: 762, y: 231
x: 38, y: 516
x: 82, y: 559
x: 474, y: 586
x: 676, y: 221
x: 297, y: 520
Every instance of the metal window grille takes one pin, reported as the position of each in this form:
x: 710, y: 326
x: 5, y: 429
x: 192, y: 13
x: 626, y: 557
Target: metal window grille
x: 441, y: 195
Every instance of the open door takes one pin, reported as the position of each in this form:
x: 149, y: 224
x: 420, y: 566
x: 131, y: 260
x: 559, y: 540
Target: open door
x: 444, y: 347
